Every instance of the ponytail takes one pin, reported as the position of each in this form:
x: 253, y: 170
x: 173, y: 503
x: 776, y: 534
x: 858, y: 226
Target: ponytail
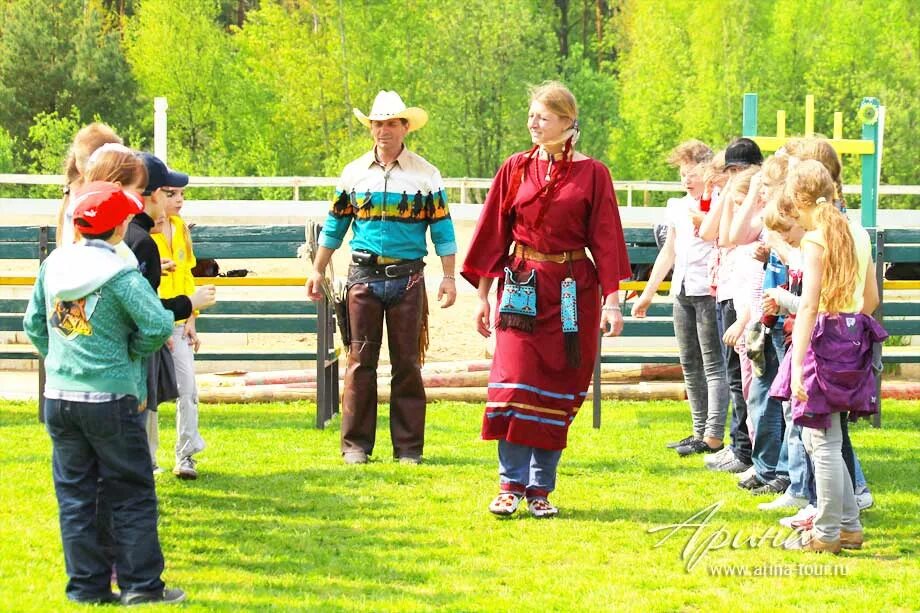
x: 840, y: 263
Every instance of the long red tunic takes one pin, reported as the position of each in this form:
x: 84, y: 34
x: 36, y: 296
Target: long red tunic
x: 533, y: 394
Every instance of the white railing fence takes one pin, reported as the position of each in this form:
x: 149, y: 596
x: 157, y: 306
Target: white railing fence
x: 464, y: 184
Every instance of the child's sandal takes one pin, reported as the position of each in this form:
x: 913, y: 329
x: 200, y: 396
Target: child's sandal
x: 541, y: 507
x: 505, y: 503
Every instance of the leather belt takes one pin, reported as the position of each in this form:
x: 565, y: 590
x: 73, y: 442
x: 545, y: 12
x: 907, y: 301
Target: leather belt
x: 529, y: 253
x: 358, y: 273
x: 374, y: 259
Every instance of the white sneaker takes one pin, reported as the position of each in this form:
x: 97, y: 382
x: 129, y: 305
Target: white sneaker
x: 746, y: 474
x: 714, y: 459
x: 864, y: 500
x: 784, y: 500
x: 805, y: 514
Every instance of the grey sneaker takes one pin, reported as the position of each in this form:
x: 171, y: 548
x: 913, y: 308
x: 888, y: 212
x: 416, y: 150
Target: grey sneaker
x: 683, y: 441
x: 354, y: 457
x: 696, y: 446
x: 776, y: 486
x: 750, y: 472
x: 185, y: 468
x: 409, y: 459
x: 714, y: 459
x: 730, y: 465
x: 784, y: 501
x: 168, y: 595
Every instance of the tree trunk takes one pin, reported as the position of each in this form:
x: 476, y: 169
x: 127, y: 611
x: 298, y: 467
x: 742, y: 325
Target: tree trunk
x: 562, y: 32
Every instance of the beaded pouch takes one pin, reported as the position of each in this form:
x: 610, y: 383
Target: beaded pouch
x: 518, y: 307
x: 569, y: 311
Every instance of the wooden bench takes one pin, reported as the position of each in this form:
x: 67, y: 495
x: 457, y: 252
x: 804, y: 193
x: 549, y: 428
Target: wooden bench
x: 899, y: 317
x: 299, y: 316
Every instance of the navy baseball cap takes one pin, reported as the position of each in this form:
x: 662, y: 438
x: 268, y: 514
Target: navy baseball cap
x: 160, y: 175
x: 743, y: 152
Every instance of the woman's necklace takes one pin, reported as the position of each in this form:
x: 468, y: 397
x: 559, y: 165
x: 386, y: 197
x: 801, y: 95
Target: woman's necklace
x: 550, y: 159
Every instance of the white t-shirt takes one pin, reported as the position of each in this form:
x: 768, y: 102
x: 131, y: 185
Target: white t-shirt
x: 691, y: 253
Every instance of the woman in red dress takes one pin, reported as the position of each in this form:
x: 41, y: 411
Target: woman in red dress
x: 544, y: 208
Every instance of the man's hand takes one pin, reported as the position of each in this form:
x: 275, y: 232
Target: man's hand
x: 314, y: 286
x: 447, y: 293
x: 167, y: 265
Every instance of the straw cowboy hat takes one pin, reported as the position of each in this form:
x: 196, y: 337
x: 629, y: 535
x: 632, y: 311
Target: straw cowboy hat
x: 388, y: 105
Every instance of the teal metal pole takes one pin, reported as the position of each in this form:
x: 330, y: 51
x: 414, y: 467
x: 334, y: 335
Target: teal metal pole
x: 749, y: 116
x: 868, y: 115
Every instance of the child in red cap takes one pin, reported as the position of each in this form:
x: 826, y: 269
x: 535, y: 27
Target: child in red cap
x: 94, y: 319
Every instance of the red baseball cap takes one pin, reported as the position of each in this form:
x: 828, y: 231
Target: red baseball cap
x: 101, y: 206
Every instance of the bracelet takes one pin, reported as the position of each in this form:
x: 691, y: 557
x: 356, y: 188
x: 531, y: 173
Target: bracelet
x: 451, y: 277
x: 610, y: 308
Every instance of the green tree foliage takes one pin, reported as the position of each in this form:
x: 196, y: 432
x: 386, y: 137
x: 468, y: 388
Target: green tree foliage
x: 60, y: 54
x: 267, y: 87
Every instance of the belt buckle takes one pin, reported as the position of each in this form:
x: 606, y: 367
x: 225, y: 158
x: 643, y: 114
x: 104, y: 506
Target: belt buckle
x: 560, y: 260
x: 387, y: 269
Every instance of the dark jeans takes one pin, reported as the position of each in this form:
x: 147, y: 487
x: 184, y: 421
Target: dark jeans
x: 767, y: 414
x: 741, y: 438
x: 103, y: 446
x: 401, y: 303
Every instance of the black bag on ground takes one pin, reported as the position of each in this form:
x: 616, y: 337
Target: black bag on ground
x: 206, y: 267
x: 903, y: 271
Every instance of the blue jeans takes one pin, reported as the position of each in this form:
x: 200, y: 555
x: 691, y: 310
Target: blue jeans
x: 103, y: 447
x: 767, y: 414
x: 741, y: 438
x: 527, y: 469
x: 793, y: 459
x: 702, y: 362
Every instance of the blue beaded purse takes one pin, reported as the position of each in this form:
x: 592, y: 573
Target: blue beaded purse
x: 518, y: 306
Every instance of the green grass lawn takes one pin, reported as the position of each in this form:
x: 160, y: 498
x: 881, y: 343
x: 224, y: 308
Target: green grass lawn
x: 276, y: 521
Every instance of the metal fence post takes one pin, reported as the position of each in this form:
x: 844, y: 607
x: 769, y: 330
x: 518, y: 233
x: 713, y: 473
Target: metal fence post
x: 879, y: 313
x: 42, y: 254
x: 159, y: 128
x: 596, y: 400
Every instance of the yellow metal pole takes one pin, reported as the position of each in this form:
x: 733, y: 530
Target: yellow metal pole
x: 809, y: 115
x: 780, y: 124
x: 838, y: 125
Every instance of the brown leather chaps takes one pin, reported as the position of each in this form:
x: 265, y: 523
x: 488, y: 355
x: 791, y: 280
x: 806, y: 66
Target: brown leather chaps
x: 403, y: 316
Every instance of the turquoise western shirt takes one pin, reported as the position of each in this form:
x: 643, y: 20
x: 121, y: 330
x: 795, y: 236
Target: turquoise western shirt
x: 390, y: 210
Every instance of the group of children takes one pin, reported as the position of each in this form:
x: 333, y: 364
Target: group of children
x: 113, y: 314
x: 770, y: 281
x: 773, y: 291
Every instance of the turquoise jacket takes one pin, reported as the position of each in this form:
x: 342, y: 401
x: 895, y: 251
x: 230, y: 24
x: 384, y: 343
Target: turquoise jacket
x: 94, y: 319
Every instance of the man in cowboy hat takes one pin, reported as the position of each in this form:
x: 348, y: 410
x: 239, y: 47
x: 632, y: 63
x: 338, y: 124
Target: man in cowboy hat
x: 385, y: 280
